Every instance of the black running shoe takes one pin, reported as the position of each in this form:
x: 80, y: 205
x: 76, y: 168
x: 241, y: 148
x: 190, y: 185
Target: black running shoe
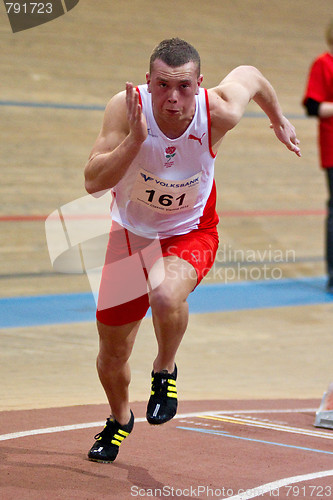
x: 108, y: 441
x: 162, y: 405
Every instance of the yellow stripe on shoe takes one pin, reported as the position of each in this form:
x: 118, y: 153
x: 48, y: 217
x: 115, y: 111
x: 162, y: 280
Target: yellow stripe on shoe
x: 117, y: 439
x: 124, y: 433
x: 117, y: 443
x: 108, y: 441
x: 172, y: 392
x: 162, y: 404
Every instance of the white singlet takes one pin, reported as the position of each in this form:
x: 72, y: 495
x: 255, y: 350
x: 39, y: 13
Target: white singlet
x: 169, y: 188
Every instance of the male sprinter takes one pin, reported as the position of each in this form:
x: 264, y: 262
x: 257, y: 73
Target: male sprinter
x: 156, y: 151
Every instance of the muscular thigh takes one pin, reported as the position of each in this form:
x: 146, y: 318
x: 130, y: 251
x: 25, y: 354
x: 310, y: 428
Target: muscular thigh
x: 123, y: 292
x: 117, y: 341
x: 173, y: 277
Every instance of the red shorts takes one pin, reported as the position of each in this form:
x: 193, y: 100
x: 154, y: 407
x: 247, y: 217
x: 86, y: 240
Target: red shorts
x: 123, y: 296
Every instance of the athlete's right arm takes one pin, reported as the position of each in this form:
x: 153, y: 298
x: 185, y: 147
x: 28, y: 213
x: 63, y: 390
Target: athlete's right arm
x: 123, y: 131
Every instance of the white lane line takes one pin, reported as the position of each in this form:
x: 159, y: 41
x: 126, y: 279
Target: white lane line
x: 276, y: 485
x: 268, y: 425
x: 63, y: 428
x: 272, y: 410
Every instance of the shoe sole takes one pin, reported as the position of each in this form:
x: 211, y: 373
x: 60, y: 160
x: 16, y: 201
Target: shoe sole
x: 151, y: 421
x: 101, y: 461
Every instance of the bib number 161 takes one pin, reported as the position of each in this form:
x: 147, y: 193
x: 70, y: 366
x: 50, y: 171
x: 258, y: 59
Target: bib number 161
x: 165, y: 199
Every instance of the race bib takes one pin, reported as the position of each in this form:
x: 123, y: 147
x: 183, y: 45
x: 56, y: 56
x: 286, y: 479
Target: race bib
x: 163, y: 195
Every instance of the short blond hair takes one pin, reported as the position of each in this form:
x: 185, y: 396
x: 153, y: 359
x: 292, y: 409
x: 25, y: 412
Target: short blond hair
x: 329, y: 33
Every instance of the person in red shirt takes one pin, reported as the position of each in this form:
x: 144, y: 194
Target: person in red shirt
x: 318, y: 101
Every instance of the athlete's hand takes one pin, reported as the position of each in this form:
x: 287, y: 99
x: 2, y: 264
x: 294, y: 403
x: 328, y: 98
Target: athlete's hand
x: 286, y: 133
x: 136, y: 120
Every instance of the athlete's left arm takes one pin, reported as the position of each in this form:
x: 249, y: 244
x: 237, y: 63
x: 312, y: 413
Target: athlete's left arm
x: 230, y: 98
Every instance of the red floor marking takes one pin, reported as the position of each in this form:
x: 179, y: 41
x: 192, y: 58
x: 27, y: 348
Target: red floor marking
x: 227, y: 213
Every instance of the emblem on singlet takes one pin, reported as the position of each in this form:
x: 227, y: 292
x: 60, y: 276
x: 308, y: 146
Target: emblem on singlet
x: 170, y: 153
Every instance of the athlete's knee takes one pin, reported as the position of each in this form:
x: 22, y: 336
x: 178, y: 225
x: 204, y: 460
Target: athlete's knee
x: 112, y: 360
x: 114, y: 350
x: 163, y: 300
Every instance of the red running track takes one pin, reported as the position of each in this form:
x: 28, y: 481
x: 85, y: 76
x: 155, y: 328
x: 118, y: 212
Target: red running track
x: 227, y: 449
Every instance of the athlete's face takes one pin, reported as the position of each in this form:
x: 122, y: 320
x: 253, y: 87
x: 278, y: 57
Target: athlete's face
x: 173, y: 91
